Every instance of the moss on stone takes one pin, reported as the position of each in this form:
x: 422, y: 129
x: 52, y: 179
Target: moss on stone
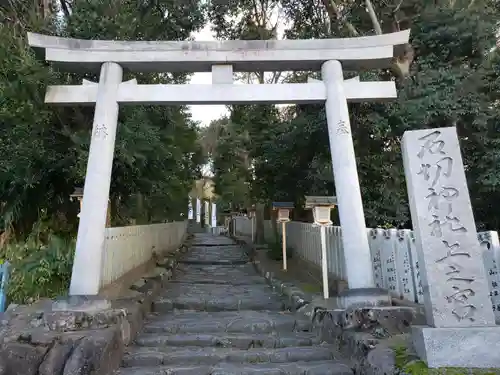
x: 311, y: 288
x: 409, y: 366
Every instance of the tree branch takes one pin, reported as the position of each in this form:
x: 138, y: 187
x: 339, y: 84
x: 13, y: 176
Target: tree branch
x: 334, y: 13
x: 65, y: 8
x: 373, y: 17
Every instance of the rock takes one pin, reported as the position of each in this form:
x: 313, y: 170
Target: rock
x: 55, y: 360
x: 380, y: 361
x: 42, y: 337
x: 154, y: 273
x: 22, y: 359
x: 99, y: 353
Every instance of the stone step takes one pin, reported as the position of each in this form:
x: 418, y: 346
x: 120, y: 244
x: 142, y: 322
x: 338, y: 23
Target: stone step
x: 241, y: 321
x: 222, y: 262
x: 141, y: 356
x: 229, y: 340
x: 222, y: 281
x: 296, y: 368
x: 219, y: 274
x: 218, y: 297
x: 207, y: 239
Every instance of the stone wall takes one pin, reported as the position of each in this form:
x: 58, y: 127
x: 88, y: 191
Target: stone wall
x: 78, y: 335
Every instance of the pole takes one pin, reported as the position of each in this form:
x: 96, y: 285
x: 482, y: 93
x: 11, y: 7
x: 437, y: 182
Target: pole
x: 253, y: 234
x: 324, y: 263
x: 284, y: 244
x: 87, y: 265
x: 352, y: 220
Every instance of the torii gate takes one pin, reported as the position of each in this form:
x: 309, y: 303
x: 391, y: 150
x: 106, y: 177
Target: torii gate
x: 221, y: 58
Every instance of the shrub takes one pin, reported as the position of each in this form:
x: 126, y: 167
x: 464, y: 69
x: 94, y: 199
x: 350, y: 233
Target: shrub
x: 39, y: 268
x: 275, y: 251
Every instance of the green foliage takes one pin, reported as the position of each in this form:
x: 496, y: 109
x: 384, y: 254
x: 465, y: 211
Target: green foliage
x: 453, y: 81
x: 413, y: 367
x: 40, y: 267
x: 275, y: 250
x: 44, y: 149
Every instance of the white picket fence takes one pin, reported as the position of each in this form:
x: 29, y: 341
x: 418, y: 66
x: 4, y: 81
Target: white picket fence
x: 394, y: 259
x: 129, y: 247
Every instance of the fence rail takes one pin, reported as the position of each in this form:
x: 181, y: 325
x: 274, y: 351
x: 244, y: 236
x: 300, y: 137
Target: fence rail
x: 393, y: 252
x: 129, y: 247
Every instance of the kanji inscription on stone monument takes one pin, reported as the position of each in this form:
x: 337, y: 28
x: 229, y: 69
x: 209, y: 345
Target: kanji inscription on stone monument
x: 456, y: 292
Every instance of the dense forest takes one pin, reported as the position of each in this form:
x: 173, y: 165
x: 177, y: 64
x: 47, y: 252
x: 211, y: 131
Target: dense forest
x: 44, y: 149
x: 447, y: 76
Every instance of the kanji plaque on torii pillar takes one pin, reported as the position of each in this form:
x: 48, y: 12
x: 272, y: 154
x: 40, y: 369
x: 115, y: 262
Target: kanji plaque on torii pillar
x: 330, y: 56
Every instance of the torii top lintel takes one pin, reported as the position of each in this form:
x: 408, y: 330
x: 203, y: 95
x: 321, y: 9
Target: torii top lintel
x: 367, y: 52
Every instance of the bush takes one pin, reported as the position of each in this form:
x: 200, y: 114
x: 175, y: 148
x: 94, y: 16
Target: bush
x: 39, y: 268
x: 275, y: 251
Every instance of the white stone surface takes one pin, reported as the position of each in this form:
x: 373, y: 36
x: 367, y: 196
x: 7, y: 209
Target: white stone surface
x: 190, y: 209
x: 222, y: 74
x: 388, y: 260
x: 129, y: 247
x: 471, y: 347
x: 404, y: 269
x: 214, y: 215
x: 287, y: 93
x: 491, y: 256
x: 86, y: 275
x: 195, y: 56
x: 354, y: 237
x: 375, y: 242
x: 207, y: 213
x: 198, y: 210
x: 456, y: 292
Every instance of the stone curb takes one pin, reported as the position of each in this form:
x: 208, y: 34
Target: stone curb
x: 364, y: 335
x: 60, y: 337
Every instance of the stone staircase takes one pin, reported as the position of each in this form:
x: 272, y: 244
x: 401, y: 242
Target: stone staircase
x: 194, y: 227
x: 219, y: 317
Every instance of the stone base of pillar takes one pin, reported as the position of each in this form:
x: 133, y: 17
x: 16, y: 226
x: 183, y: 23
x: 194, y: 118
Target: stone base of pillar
x: 89, y: 304
x: 364, y: 297
x: 469, y: 347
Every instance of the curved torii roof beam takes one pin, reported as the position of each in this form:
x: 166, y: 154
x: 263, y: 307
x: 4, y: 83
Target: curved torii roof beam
x: 368, y: 52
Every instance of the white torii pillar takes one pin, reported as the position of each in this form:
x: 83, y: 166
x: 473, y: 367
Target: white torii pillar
x: 87, y: 265
x: 357, y: 254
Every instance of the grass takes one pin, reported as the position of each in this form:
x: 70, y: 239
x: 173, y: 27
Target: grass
x: 412, y: 367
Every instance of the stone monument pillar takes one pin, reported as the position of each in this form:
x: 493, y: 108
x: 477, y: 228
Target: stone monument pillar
x: 207, y: 214
x: 214, y: 215
x: 462, y: 330
x: 86, y: 276
x: 352, y: 220
x: 190, y: 209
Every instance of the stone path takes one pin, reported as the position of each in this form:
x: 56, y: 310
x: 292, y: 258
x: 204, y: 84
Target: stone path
x: 218, y: 317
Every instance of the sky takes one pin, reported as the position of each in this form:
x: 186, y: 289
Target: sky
x: 205, y: 113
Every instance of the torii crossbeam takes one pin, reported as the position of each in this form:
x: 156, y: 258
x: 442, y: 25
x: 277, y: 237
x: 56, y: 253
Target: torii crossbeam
x: 330, y: 56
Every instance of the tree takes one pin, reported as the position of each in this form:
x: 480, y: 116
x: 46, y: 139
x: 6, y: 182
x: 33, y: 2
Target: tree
x: 448, y: 76
x: 44, y: 149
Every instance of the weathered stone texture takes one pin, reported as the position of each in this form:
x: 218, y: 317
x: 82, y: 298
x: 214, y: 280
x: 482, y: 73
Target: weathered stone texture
x: 77, y: 335
x: 220, y: 317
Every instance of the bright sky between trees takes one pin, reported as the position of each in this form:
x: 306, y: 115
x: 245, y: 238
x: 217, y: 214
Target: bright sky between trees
x: 205, y: 113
